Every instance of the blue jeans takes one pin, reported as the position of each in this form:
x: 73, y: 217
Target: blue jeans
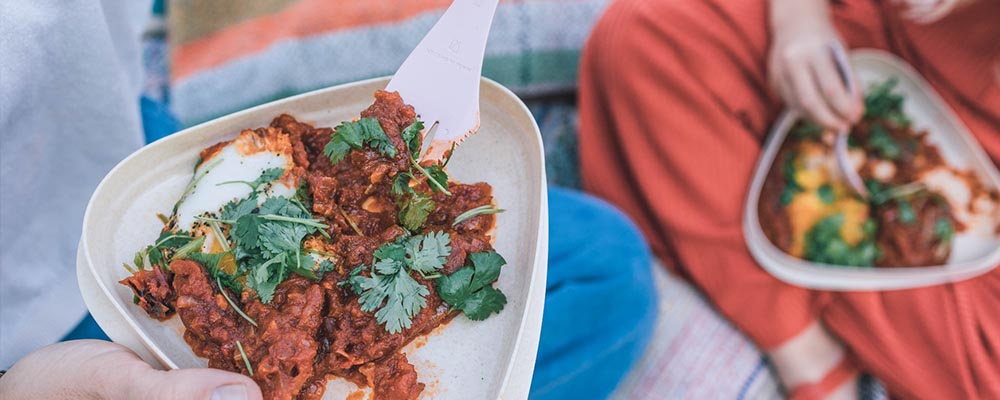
x: 600, y: 304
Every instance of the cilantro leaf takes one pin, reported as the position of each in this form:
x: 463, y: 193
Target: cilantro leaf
x: 944, y: 229
x: 457, y: 287
x: 414, y: 211
x: 401, y: 184
x: 411, y: 136
x: 824, y: 244
x: 882, y: 102
x: 235, y: 209
x: 792, y: 186
x: 281, y: 237
x: 437, y: 173
x: 481, y: 304
x: 389, y: 290
x: 217, y: 265
x: 825, y: 193
x: 354, y: 135
x: 469, y: 289
x: 267, y: 176
x: 376, y: 138
x: 302, y: 194
x: 405, y: 298
x: 268, y: 243
x: 388, y: 266
x: 487, y: 266
x: 906, y: 213
x: 429, y: 252
x: 391, y: 251
x: 324, y: 267
x: 883, y: 143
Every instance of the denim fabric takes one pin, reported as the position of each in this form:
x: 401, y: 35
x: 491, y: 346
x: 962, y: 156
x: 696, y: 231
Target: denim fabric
x: 600, y: 303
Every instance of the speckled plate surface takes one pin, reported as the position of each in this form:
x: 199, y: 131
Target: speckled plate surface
x: 462, y: 360
x: 975, y: 251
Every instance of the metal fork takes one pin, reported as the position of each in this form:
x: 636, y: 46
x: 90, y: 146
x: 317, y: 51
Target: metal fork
x: 440, y: 78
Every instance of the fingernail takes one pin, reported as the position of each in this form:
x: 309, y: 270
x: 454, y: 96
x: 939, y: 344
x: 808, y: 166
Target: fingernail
x: 230, y: 392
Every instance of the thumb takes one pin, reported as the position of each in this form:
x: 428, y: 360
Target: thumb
x: 92, y: 369
x: 196, y: 384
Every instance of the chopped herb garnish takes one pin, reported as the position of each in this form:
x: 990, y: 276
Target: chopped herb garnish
x: 475, y: 212
x: 160, y: 252
x: 401, y: 184
x: 807, y: 130
x: 944, y: 229
x: 354, y: 135
x: 219, y: 237
x: 437, y: 179
x: 414, y: 211
x: 906, y: 214
x: 269, y: 175
x: 192, y: 246
x: 428, y: 253
x: 882, y: 102
x: 354, y: 226
x: 390, y: 290
x: 244, y: 355
x: 411, y: 136
x: 824, y: 244
x: 469, y: 289
x: 269, y: 241
x: 825, y: 193
x: 883, y: 143
x: 792, y: 186
x: 222, y: 290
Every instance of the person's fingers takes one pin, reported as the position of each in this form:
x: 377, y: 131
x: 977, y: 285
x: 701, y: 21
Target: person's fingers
x: 144, y: 382
x: 844, y: 104
x: 92, y: 369
x: 810, y: 101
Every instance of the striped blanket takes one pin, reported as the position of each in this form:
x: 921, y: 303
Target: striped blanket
x: 227, y: 55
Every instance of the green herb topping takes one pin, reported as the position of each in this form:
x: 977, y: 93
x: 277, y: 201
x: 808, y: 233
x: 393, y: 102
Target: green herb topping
x: 469, y: 289
x: 355, y: 135
x: 390, y: 290
x: 475, y: 212
x: 824, y: 244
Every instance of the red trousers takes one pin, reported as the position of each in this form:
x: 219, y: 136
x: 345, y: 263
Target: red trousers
x: 674, y: 108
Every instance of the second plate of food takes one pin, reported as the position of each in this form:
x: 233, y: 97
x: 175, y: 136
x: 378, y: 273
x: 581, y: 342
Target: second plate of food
x: 303, y: 243
x: 933, y: 214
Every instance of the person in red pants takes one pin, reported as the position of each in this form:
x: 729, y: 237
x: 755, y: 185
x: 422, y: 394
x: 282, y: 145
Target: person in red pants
x: 676, y: 99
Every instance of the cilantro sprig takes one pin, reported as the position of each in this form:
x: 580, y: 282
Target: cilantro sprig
x: 475, y: 212
x: 355, y: 135
x: 269, y: 241
x: 269, y: 175
x: 470, y: 288
x: 824, y: 244
x: 390, y: 290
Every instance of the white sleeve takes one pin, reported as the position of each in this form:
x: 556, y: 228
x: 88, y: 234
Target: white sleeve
x: 70, y: 81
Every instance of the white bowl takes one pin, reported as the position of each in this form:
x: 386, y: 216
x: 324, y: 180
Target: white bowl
x: 974, y: 253
x: 463, y: 360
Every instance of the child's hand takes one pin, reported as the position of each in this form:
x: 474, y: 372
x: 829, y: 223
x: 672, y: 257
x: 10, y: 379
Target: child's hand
x: 802, y: 67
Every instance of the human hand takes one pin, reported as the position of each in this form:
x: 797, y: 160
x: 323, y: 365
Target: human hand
x: 928, y: 11
x: 802, y: 67
x: 93, y: 369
